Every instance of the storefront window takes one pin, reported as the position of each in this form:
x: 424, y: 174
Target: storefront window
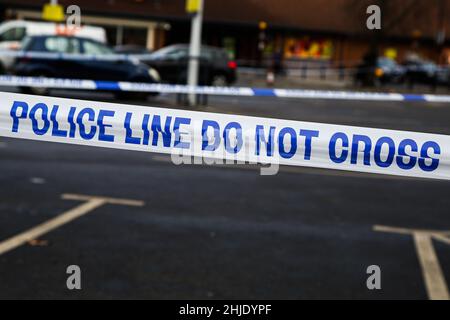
x: 308, y: 48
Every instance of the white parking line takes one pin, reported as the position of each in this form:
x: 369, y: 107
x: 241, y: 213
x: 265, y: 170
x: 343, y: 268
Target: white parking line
x: 91, y: 203
x: 37, y: 180
x: 429, y: 263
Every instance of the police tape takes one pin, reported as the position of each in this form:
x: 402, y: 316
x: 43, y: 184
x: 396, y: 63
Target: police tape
x: 73, y: 56
x: 243, y: 139
x: 80, y: 84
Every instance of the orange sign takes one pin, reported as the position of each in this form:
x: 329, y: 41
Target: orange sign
x: 65, y: 30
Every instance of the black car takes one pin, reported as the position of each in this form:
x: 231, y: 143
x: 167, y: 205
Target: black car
x: 79, y: 68
x: 383, y: 70
x: 172, y: 64
x: 389, y: 71
x: 421, y: 71
x: 131, y: 49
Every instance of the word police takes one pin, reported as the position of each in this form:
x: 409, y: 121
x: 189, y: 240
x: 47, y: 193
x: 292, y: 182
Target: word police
x: 165, y: 133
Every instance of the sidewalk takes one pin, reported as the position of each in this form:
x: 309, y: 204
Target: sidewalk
x: 257, y: 78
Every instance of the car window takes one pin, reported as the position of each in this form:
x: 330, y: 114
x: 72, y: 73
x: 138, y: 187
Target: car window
x: 26, y: 43
x: 429, y: 64
x: 95, y: 48
x: 177, y: 53
x: 13, y: 34
x: 172, y: 52
x: 221, y: 55
x: 62, y: 45
x: 207, y: 54
x: 385, y: 62
x: 165, y: 51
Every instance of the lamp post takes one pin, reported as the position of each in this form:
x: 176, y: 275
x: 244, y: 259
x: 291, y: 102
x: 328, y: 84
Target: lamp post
x: 194, y: 7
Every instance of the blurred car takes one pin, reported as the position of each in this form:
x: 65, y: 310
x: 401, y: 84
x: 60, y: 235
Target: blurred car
x: 131, y: 49
x: 13, y: 32
x: 422, y: 71
x: 172, y: 63
x: 384, y: 70
x: 78, y: 68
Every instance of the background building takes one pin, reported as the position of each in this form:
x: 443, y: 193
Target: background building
x: 321, y: 30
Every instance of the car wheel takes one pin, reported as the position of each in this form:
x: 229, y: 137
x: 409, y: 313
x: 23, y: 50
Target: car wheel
x: 219, y: 80
x: 40, y: 91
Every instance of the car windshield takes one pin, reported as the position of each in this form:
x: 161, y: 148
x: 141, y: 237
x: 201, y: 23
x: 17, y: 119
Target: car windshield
x: 62, y: 45
x: 13, y: 34
x: 170, y: 51
x: 96, y: 48
x: 178, y: 51
x: 69, y: 45
x: 386, y: 62
x: 429, y: 64
x: 25, y: 43
x: 52, y: 44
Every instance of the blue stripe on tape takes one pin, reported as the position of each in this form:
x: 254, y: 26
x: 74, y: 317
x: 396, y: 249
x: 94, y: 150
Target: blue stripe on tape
x: 264, y: 92
x: 107, y: 85
x: 413, y: 97
x: 9, y: 80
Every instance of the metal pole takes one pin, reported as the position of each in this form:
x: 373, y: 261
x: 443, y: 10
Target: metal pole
x: 194, y: 52
x: 119, y: 35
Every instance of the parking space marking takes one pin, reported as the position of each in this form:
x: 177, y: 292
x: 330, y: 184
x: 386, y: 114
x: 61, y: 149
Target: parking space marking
x: 37, y: 180
x: 90, y: 203
x: 429, y: 263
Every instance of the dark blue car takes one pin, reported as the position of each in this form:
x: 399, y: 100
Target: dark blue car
x: 74, y: 65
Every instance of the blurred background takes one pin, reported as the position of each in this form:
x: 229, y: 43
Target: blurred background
x: 305, y: 43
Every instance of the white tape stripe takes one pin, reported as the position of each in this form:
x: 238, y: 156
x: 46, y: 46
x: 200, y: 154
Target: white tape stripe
x: 61, y: 83
x: 167, y: 88
x: 228, y: 137
x: 290, y: 93
x: 437, y: 98
x: 72, y: 56
x: 47, y: 82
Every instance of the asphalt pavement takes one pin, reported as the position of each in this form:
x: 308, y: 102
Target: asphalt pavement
x: 222, y: 231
